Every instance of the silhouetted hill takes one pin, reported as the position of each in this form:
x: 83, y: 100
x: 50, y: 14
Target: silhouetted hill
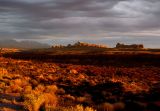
x: 22, y: 44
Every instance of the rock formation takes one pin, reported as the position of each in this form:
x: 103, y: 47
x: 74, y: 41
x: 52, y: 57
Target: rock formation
x: 81, y: 44
x: 132, y: 46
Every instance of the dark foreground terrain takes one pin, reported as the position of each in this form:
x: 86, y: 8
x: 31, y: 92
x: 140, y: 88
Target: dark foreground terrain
x: 80, y: 80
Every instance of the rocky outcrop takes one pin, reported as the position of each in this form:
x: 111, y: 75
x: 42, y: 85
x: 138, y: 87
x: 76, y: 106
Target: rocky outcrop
x: 81, y: 44
x: 84, y: 44
x: 132, y: 46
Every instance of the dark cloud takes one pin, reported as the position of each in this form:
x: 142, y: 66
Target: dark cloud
x: 38, y: 19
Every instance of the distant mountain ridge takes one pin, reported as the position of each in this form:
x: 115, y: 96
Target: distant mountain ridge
x: 22, y: 44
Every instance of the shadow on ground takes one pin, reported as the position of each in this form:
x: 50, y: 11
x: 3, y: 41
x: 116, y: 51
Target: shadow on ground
x: 7, y: 102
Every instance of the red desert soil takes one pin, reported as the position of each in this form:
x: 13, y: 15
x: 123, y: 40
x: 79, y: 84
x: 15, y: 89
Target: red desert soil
x: 36, y: 85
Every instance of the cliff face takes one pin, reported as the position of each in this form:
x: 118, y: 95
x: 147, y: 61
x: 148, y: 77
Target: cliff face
x: 132, y: 46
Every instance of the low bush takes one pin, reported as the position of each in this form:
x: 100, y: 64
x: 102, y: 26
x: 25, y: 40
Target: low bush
x: 35, y: 102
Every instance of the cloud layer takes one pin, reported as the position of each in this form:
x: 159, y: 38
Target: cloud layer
x: 48, y: 19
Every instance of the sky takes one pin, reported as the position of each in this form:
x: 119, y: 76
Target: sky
x: 98, y: 21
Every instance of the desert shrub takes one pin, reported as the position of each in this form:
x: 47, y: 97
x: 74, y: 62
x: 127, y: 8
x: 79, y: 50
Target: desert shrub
x: 61, y: 91
x: 81, y: 99
x: 69, y: 97
x: 40, y: 88
x: 18, y: 82
x: 2, y: 85
x: 85, y: 100
x: 89, y: 109
x: 78, y: 108
x: 34, y: 101
x: 3, y: 71
x: 50, y: 102
x: 73, y: 71
x: 51, y: 88
x: 27, y: 89
x: 15, y: 89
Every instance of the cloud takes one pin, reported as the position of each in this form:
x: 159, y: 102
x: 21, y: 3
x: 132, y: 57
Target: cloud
x: 44, y: 19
